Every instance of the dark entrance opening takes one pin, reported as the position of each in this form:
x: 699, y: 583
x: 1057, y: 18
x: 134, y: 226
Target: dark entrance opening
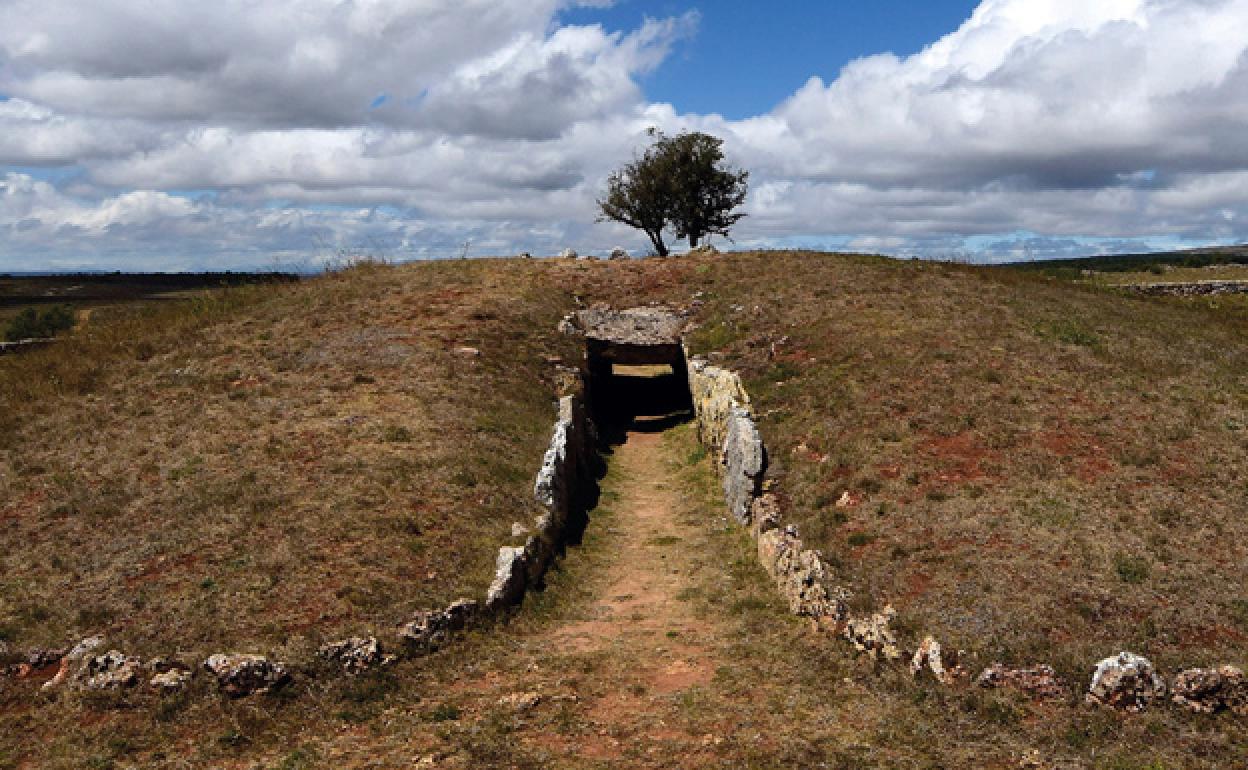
x: 637, y: 388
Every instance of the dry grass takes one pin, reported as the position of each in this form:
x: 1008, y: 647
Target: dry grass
x: 1035, y: 472
x: 273, y: 465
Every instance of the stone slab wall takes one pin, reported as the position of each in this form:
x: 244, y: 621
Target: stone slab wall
x: 727, y: 428
x: 568, y: 471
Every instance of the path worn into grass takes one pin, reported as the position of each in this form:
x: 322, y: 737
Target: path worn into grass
x: 641, y: 617
x: 627, y: 663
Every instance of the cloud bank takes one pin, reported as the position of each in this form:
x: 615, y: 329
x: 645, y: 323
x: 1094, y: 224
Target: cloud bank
x: 162, y: 134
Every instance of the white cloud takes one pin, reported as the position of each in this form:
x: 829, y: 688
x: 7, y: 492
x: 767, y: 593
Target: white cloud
x: 428, y: 123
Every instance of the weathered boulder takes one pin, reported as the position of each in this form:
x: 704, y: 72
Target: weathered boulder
x: 1037, y: 681
x: 355, y: 654
x: 716, y: 393
x: 429, y: 630
x: 1208, y: 690
x: 744, y: 460
x: 110, y: 671
x: 800, y: 575
x: 705, y: 249
x: 568, y: 254
x: 873, y: 635
x: 930, y: 656
x: 242, y: 675
x: 510, y: 576
x: 170, y: 682
x: 1126, y: 682
x: 70, y: 660
x: 619, y: 254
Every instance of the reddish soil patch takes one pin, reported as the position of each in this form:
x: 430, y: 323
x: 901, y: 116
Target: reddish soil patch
x: 960, y: 456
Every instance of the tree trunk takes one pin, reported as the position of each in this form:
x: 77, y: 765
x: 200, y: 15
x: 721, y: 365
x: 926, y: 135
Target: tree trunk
x: 660, y: 247
x: 693, y: 242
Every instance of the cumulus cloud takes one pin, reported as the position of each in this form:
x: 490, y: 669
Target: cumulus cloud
x: 228, y: 130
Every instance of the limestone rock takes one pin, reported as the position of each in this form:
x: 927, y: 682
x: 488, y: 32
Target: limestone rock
x: 1208, y: 690
x: 619, y: 254
x: 1037, y: 681
x: 355, y: 654
x: 242, y: 675
x: 525, y: 255
x: 764, y: 514
x: 800, y: 575
x: 77, y: 654
x: 519, y: 530
x: 568, y: 254
x: 460, y: 613
x: 716, y: 393
x: 744, y: 459
x: 1126, y: 682
x: 42, y: 657
x: 510, y: 573
x: 873, y: 635
x: 930, y: 656
x: 521, y: 701
x: 170, y: 682
x: 110, y: 671
x: 429, y: 630
x: 705, y: 249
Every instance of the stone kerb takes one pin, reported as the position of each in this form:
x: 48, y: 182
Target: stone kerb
x: 726, y: 427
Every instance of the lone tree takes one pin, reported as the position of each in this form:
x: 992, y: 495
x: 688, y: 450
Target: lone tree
x: 679, y: 183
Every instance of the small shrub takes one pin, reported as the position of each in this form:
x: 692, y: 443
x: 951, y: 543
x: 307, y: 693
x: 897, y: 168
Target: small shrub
x: 1131, y: 569
x: 31, y: 324
x: 443, y: 712
x: 1069, y: 331
x: 861, y: 538
x: 396, y: 434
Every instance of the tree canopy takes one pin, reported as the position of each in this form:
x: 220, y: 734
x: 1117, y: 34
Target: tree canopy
x: 679, y: 183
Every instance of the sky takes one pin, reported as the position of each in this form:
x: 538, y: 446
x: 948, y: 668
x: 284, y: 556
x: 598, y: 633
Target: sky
x: 165, y: 135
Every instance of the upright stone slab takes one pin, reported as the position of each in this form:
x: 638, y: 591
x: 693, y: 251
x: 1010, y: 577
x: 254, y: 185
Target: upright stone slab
x: 744, y: 461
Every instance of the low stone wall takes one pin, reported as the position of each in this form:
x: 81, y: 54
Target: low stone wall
x: 569, y: 469
x: 1189, y: 289
x: 726, y: 427
x: 563, y: 491
x: 568, y: 474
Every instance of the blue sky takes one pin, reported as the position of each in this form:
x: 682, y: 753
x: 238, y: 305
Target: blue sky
x: 748, y: 56
x: 235, y: 134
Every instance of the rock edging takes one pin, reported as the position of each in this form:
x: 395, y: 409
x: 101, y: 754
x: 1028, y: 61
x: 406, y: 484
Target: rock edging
x: 569, y: 467
x: 726, y: 427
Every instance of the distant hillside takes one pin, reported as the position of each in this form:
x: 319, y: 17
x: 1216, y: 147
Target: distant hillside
x: 1124, y: 263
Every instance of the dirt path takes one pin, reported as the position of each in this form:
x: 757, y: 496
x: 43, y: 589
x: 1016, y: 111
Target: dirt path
x: 641, y: 612
x: 659, y: 643
x: 612, y: 672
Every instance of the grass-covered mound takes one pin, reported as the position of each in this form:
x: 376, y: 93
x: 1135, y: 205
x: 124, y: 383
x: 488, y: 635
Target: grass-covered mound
x: 1030, y: 470
x: 265, y: 467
